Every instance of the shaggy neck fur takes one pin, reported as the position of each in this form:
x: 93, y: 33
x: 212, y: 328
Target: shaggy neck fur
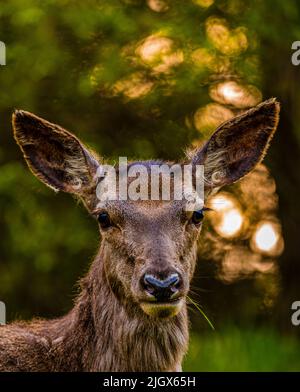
x: 100, y: 333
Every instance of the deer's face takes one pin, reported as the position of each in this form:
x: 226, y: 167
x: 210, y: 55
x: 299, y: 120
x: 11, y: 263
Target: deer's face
x: 148, y: 247
x: 152, y: 252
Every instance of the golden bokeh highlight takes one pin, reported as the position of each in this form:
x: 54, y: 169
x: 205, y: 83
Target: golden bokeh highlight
x: 158, y: 5
x: 233, y: 93
x: 267, y: 238
x: 228, y: 42
x: 239, y: 262
x: 133, y: 87
x: 154, y: 47
x: 228, y: 220
x: 206, y: 59
x: 158, y: 52
x: 203, y: 58
x: 249, y: 237
x: 210, y: 116
x: 204, y: 3
x: 258, y: 190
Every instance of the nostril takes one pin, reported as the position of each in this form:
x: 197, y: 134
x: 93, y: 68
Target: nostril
x: 149, y: 283
x: 173, y: 280
x: 146, y: 285
x: 150, y: 289
x: 162, y: 289
x: 178, y: 284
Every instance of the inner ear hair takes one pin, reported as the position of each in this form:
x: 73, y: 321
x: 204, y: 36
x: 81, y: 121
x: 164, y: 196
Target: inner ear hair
x: 53, y: 154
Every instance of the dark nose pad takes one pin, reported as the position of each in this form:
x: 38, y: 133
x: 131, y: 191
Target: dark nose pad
x: 162, y: 290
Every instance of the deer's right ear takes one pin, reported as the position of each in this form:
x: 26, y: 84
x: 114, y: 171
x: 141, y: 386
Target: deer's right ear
x: 53, y: 154
x: 238, y: 145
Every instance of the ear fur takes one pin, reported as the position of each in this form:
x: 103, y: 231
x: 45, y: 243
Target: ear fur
x: 53, y: 154
x: 238, y: 145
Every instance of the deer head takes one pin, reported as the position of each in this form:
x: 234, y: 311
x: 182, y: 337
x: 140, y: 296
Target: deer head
x: 148, y: 247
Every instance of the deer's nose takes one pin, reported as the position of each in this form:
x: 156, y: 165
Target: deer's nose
x: 162, y: 289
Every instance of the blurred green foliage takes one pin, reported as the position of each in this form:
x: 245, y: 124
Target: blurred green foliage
x: 247, y: 350
x: 134, y: 78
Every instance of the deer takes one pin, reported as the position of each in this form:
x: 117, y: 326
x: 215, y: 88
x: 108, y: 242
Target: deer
x: 131, y: 312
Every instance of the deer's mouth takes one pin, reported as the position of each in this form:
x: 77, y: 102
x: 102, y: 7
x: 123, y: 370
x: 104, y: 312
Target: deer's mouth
x: 162, y: 309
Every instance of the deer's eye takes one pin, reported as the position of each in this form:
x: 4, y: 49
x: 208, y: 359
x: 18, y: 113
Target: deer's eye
x: 197, y: 217
x: 104, y: 220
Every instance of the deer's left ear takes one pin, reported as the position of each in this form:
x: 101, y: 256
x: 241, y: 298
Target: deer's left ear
x: 238, y: 145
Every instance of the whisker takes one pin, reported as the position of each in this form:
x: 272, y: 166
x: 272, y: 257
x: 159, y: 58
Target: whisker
x: 202, y: 312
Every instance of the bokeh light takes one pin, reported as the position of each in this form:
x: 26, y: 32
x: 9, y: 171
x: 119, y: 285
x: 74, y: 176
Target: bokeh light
x: 135, y: 86
x: 204, y: 3
x: 231, y: 223
x: 204, y: 58
x: 229, y: 42
x: 236, y: 94
x: 267, y: 238
x: 158, y: 5
x: 207, y: 118
x: 249, y: 236
x: 159, y: 53
x: 154, y: 47
x: 228, y: 220
x: 239, y: 262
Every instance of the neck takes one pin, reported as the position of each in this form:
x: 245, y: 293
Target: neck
x: 104, y: 333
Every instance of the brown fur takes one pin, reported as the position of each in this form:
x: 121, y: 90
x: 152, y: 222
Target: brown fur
x: 99, y: 334
x: 109, y: 328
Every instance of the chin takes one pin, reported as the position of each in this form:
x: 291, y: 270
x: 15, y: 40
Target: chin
x: 163, y: 309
